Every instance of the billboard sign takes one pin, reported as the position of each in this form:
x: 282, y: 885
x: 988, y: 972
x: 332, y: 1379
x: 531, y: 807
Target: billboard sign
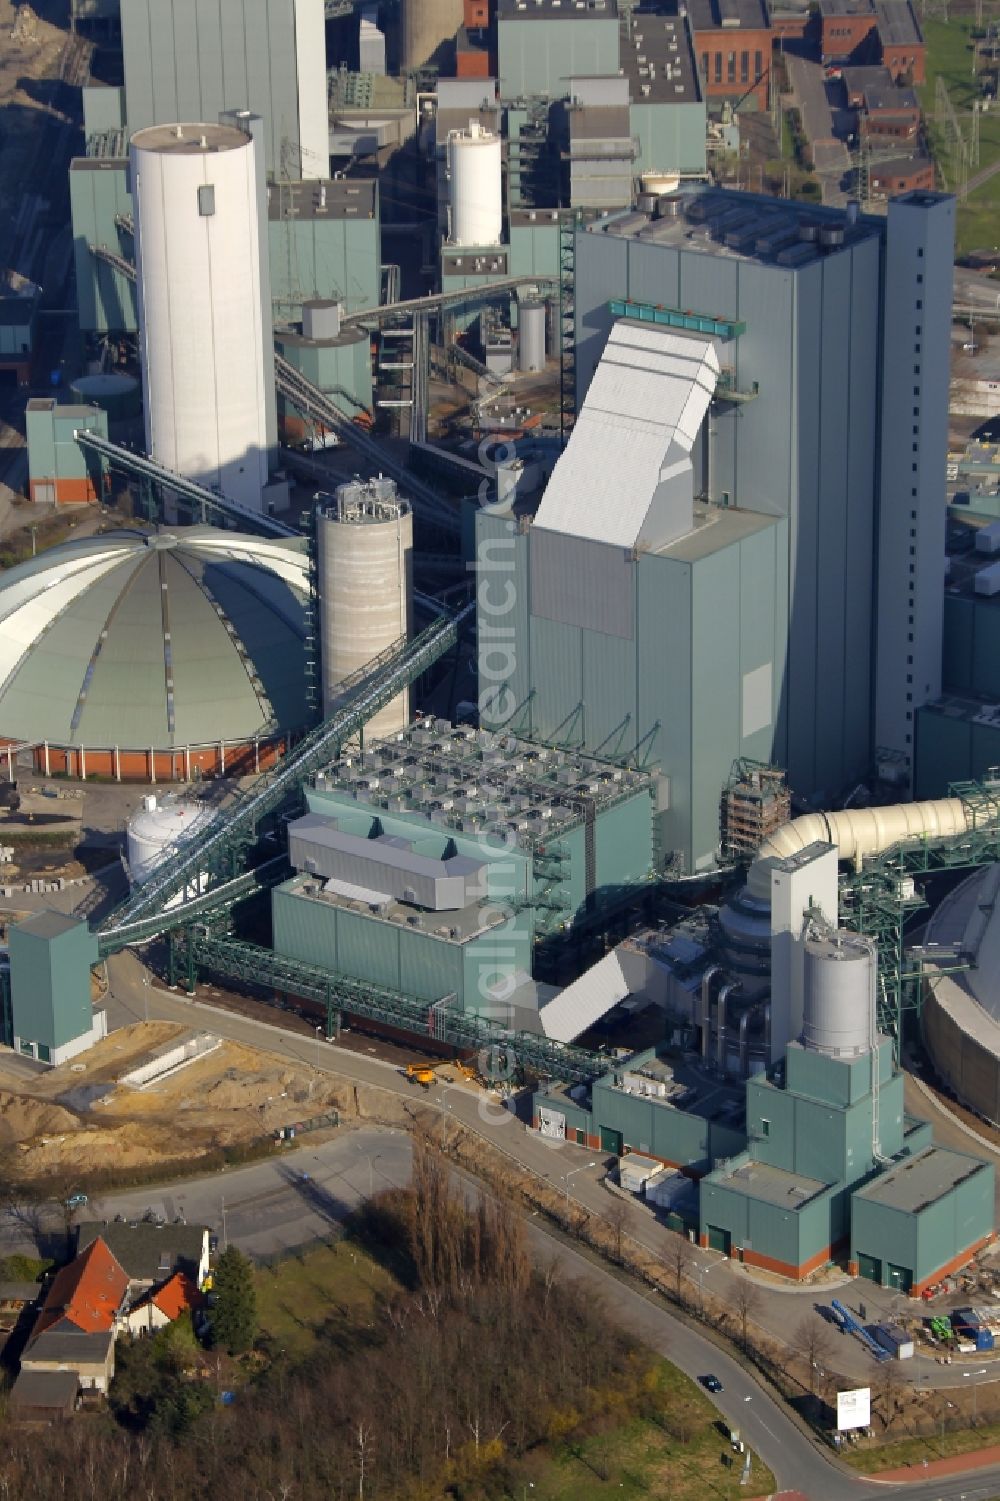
x: 854, y: 1409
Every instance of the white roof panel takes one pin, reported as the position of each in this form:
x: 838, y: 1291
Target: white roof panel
x: 584, y: 1002
x: 641, y: 416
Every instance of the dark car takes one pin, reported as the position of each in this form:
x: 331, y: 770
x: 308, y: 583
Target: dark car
x: 711, y: 1384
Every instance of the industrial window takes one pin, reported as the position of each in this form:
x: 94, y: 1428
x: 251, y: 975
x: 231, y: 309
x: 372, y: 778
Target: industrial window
x: 914, y: 468
x: 909, y: 715
x: 909, y: 678
x: 916, y: 390
x: 916, y: 350
x: 758, y: 64
x: 920, y: 252
x: 913, y: 531
x: 916, y: 411
x: 765, y: 1128
x: 918, y: 329
x: 704, y: 66
x: 918, y: 305
x: 916, y: 432
x: 910, y: 637
x: 916, y: 448
x: 718, y: 67
x: 731, y: 68
x: 920, y: 279
x: 206, y: 200
x: 744, y: 67
x: 909, y: 661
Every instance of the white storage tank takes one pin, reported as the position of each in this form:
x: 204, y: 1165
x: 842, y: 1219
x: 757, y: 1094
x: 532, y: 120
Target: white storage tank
x: 839, y: 995
x: 156, y: 829
x: 474, y: 175
x: 201, y: 334
x: 365, y: 555
x: 531, y: 317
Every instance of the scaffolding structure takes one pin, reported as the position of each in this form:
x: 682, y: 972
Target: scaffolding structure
x: 756, y: 801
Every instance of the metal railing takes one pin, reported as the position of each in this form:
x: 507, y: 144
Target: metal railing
x: 138, y: 463
x: 233, y: 829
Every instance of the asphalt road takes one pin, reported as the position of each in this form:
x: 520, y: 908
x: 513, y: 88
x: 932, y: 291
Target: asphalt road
x: 572, y: 1170
x: 292, y: 1199
x: 263, y: 1208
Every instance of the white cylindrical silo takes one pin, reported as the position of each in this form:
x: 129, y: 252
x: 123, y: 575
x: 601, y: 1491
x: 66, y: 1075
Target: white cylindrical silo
x: 201, y: 333
x: 154, y: 831
x: 838, y: 995
x: 365, y: 564
x: 475, y: 186
x: 531, y: 335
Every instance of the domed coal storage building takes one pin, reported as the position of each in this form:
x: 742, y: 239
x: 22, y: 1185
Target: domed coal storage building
x: 154, y: 656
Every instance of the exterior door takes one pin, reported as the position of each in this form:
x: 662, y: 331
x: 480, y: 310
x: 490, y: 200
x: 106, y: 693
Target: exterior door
x: 611, y: 1141
x: 719, y: 1239
x: 900, y: 1278
x: 870, y: 1267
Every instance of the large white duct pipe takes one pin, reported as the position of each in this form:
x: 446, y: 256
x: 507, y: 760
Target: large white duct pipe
x: 859, y: 832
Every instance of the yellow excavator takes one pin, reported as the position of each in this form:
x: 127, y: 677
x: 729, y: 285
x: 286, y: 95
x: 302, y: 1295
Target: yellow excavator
x: 419, y: 1073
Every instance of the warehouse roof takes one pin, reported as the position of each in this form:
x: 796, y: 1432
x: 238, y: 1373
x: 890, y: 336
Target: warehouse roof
x: 340, y: 198
x: 627, y: 466
x: 737, y: 226
x: 49, y: 924
x: 889, y: 97
x: 657, y: 60
x: 897, y: 24
x: 143, y: 640
x: 770, y: 1185
x: 557, y: 10
x: 918, y: 1182
x: 728, y: 15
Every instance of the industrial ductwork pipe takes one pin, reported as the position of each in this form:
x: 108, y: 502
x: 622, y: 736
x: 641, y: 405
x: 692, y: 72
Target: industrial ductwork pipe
x: 720, y: 1022
x: 859, y: 832
x: 706, y: 1007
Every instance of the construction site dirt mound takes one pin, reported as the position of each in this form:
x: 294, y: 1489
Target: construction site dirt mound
x: 22, y: 1118
x: 233, y: 1096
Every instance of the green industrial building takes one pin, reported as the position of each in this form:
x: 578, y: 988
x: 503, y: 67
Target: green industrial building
x: 958, y: 735
x: 52, y: 1014
x: 324, y: 241
x: 542, y: 44
x: 811, y: 1161
x: 437, y: 862
x: 58, y: 471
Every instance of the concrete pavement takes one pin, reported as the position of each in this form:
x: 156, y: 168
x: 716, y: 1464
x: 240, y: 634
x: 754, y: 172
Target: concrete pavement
x: 830, y: 156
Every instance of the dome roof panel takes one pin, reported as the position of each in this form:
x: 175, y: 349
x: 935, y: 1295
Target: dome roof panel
x: 89, y: 618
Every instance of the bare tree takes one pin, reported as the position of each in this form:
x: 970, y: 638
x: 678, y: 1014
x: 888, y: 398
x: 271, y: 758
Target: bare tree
x: 615, y: 1219
x: 812, y: 1341
x: 677, y: 1258
x: 890, y: 1390
x: 746, y: 1301
x: 364, y: 1438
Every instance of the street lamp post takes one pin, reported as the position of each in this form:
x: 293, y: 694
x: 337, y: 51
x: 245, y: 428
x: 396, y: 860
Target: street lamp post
x: 973, y: 1377
x: 444, y: 1107
x: 319, y: 1034
x: 372, y: 1159
x: 568, y: 1176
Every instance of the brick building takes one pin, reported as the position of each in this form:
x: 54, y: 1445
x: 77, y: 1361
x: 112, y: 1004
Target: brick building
x: 732, y: 45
